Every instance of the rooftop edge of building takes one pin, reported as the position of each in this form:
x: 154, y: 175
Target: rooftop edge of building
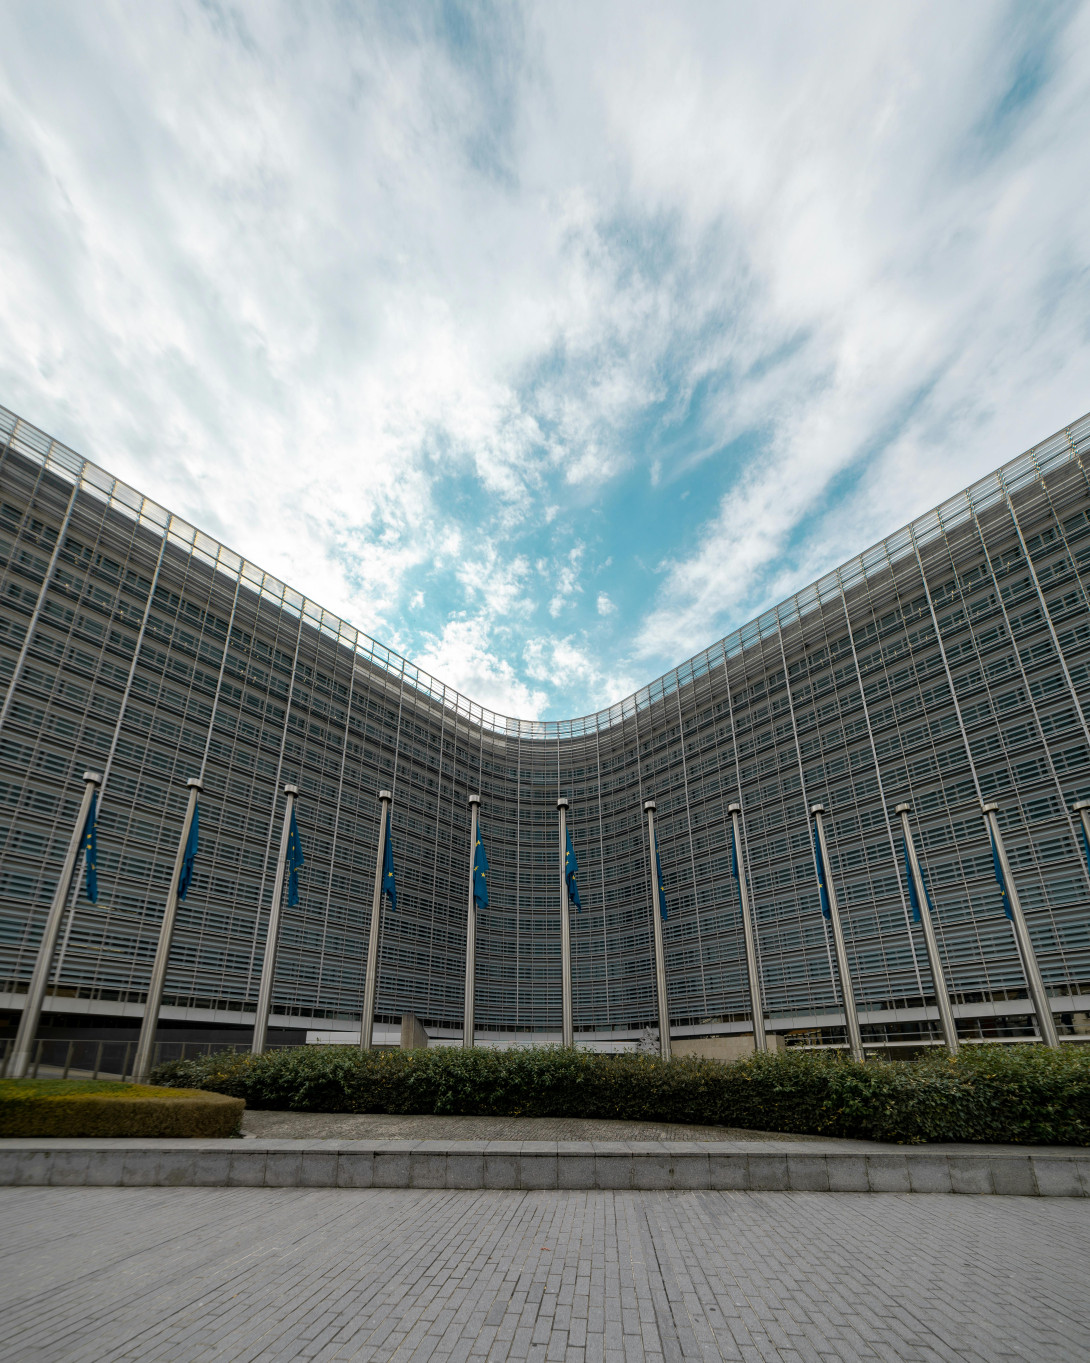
x: 1064, y: 445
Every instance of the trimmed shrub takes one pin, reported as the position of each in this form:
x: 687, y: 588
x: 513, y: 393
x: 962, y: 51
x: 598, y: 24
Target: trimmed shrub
x: 66, y: 1107
x: 1024, y: 1094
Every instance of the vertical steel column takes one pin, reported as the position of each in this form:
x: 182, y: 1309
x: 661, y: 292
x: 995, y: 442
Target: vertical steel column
x: 760, y: 1041
x: 370, y: 979
x: 692, y: 852
x: 268, y: 967
x: 847, y: 993
x: 223, y: 663
x: 945, y: 660
x: 1045, y: 612
x: 649, y: 807
x: 142, y: 1063
x: 279, y: 764
x: 1046, y: 1023
x: 468, y: 1027
x: 109, y: 763
x: 798, y: 752
x: 39, y: 606
x: 39, y: 980
x: 938, y: 975
x: 874, y: 751
x: 567, y: 1029
x: 1082, y: 809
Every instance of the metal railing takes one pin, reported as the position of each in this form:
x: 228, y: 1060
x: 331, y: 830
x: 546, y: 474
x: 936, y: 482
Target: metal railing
x: 93, y: 1059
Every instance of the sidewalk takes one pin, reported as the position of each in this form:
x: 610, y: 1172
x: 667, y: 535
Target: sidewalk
x: 261, y: 1275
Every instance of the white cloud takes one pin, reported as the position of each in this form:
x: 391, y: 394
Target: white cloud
x: 397, y: 315
x: 927, y: 281
x: 573, y: 665
x: 463, y: 657
x: 605, y: 605
x: 499, y: 586
x: 566, y: 574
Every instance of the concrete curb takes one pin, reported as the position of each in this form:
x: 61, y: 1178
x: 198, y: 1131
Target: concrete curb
x: 674, y: 1165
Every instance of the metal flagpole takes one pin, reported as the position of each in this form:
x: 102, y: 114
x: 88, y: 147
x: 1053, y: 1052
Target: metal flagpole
x: 39, y: 980
x: 760, y: 1041
x: 660, y: 950
x: 146, y: 1045
x: 468, y: 1028
x: 268, y: 968
x: 938, y: 976
x: 370, y: 980
x: 1046, y: 1024
x: 567, y: 1031
x: 851, y: 1017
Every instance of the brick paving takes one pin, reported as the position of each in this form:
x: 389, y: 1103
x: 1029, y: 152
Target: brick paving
x: 184, y: 1275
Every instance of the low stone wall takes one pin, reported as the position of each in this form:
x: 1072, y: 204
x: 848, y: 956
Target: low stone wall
x: 752, y: 1166
x: 730, y: 1046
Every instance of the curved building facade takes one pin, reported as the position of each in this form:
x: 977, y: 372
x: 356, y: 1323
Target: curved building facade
x: 947, y: 664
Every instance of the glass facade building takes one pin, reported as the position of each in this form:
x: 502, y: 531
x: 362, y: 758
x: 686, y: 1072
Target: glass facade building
x: 949, y: 663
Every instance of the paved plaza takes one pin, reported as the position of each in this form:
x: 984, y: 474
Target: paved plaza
x: 428, y: 1127
x: 185, y: 1275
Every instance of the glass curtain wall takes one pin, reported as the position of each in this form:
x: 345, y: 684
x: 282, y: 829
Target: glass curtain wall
x: 949, y: 663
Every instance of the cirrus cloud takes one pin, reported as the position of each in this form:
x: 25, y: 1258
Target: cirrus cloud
x: 545, y: 342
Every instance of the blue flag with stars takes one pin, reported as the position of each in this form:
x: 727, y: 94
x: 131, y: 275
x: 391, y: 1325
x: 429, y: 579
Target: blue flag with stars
x: 389, y: 884
x: 185, y: 879
x: 570, y: 868
x: 1001, y: 880
x: 480, y: 872
x: 913, y: 897
x: 90, y: 849
x: 295, y: 860
x: 1085, y: 843
x: 819, y: 864
x: 661, y: 882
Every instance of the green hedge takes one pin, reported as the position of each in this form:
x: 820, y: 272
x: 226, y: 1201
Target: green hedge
x: 72, y: 1107
x: 1027, y: 1094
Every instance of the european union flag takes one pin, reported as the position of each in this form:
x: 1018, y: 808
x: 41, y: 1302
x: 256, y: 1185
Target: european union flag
x: 734, y: 855
x: 295, y: 860
x: 913, y: 897
x: 191, y: 844
x: 389, y: 884
x: 480, y: 872
x: 1000, y: 878
x: 1085, y: 843
x: 819, y: 864
x: 661, y: 882
x: 570, y: 868
x: 90, y: 848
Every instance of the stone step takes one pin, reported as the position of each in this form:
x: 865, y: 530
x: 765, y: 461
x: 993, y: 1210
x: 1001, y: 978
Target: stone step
x: 749, y: 1166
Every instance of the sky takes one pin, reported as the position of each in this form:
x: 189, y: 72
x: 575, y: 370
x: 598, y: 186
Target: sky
x: 545, y: 343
